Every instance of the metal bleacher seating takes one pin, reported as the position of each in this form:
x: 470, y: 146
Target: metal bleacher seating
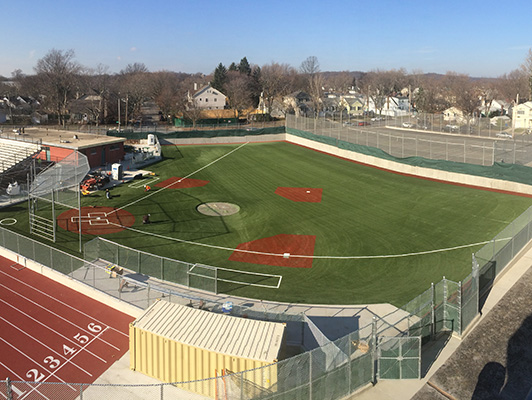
x: 13, y: 152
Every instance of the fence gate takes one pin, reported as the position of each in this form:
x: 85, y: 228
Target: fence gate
x: 399, y: 357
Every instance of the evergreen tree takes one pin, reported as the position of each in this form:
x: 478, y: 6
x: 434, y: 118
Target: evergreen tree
x: 244, y: 67
x: 233, y: 67
x: 220, y: 77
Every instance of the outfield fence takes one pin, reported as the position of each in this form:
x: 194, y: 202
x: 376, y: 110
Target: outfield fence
x: 404, y: 143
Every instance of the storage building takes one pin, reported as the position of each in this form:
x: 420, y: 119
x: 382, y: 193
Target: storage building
x: 175, y: 343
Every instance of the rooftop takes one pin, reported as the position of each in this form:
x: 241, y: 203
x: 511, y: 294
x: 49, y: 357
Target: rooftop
x: 61, y: 138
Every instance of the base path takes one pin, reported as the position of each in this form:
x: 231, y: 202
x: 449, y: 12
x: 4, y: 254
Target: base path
x: 96, y: 220
x: 181, y: 183
x: 277, y: 250
x: 303, y: 195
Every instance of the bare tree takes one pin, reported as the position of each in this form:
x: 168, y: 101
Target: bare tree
x: 488, y: 91
x: 276, y: 81
x: 428, y: 95
x: 527, y: 70
x: 99, y: 82
x: 134, y: 88
x: 380, y: 85
x: 340, y: 81
x: 310, y: 68
x: 57, y: 72
x: 166, y: 91
x: 237, y: 92
x: 513, y: 85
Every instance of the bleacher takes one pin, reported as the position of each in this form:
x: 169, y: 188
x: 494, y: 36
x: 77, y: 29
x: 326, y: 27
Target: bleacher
x: 13, y: 152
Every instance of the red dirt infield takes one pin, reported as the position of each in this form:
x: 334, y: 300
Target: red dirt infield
x: 96, y: 220
x: 278, y: 244
x: 307, y: 195
x: 174, y: 183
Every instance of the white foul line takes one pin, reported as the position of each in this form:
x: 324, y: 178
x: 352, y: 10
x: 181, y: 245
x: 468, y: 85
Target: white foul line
x: 180, y: 180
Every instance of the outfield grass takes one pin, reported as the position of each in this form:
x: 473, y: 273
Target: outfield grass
x: 364, y: 211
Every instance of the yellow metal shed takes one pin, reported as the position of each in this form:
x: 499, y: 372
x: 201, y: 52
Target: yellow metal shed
x: 175, y: 343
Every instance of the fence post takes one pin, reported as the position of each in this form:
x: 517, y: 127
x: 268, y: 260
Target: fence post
x: 374, y: 351
x: 460, y: 308
x: 8, y: 389
x: 216, y: 281
x: 475, y: 273
x: 444, y: 302
x: 433, y: 312
x: 310, y: 375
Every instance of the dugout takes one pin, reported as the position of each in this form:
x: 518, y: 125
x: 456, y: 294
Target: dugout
x: 176, y: 343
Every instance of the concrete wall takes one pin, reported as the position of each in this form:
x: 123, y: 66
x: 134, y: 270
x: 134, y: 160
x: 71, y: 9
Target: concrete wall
x: 463, y: 179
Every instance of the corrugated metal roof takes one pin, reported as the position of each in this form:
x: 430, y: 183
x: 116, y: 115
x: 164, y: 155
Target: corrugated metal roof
x: 225, y: 334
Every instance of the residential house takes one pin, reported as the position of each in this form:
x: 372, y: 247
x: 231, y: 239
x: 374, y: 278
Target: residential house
x: 393, y: 106
x: 300, y: 102
x: 499, y: 106
x: 208, y: 98
x: 89, y: 108
x: 522, y: 116
x: 355, y: 106
x: 453, y: 114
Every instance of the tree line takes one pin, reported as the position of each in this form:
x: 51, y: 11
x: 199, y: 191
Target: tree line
x: 59, y: 80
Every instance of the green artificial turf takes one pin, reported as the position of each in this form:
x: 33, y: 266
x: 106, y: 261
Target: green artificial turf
x: 364, y: 211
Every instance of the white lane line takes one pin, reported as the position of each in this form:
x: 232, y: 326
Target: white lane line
x: 64, y: 304
x: 38, y: 364
x: 44, y: 345
x: 59, y: 316
x: 21, y: 379
x: 51, y: 329
x: 66, y: 363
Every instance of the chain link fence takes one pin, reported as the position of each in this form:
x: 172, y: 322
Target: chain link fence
x: 427, y: 143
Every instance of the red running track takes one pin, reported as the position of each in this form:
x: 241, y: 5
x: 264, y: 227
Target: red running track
x: 51, y: 333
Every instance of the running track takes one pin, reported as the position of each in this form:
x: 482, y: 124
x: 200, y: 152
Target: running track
x: 51, y: 333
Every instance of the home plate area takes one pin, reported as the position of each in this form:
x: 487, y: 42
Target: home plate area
x: 279, y: 250
x: 96, y: 220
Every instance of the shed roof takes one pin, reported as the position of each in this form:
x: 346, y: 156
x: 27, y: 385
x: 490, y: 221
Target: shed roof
x: 224, y: 334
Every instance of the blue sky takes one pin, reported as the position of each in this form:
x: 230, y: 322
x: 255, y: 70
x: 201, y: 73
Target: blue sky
x: 478, y: 38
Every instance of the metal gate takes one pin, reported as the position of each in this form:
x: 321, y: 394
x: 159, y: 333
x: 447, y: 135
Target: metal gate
x: 399, y: 357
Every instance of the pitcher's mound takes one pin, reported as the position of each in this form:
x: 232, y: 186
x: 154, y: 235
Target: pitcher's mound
x: 218, y: 209
x: 280, y: 250
x: 96, y: 220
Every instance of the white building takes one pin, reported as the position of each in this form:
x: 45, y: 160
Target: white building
x: 522, y: 116
x: 209, y: 98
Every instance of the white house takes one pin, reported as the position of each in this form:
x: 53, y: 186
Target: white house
x: 522, y: 116
x: 209, y: 98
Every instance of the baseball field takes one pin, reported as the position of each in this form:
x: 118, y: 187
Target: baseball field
x: 336, y: 232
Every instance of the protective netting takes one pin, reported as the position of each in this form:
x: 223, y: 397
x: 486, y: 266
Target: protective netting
x: 63, y: 178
